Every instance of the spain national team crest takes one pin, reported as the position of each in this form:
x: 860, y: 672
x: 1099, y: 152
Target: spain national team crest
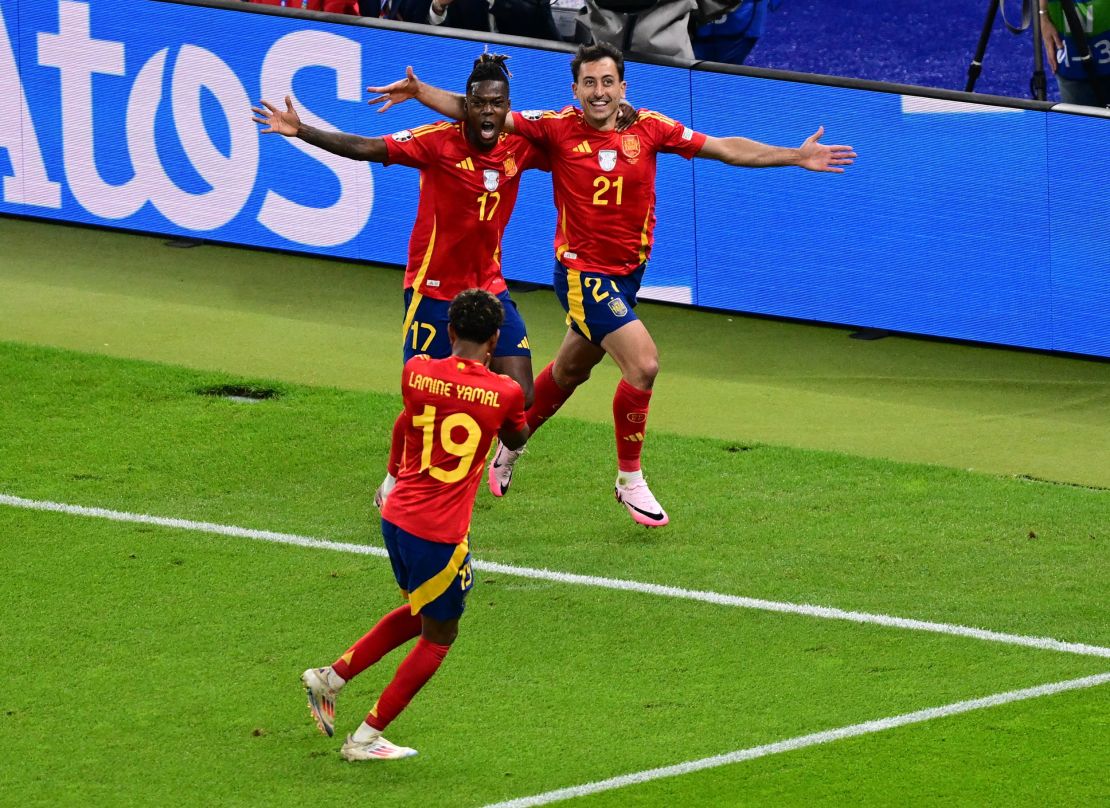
x: 616, y: 305
x: 491, y: 179
x: 608, y: 159
x: 510, y: 166
x: 630, y: 146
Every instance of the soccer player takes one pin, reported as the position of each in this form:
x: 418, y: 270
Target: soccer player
x: 453, y: 409
x: 604, y: 186
x: 469, y: 176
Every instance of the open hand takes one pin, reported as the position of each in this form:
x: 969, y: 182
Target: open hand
x: 283, y: 123
x: 395, y: 93
x: 816, y: 156
x: 626, y: 115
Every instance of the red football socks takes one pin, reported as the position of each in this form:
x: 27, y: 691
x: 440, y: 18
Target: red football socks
x: 547, y: 399
x: 392, y: 631
x: 415, y: 670
x: 630, y: 411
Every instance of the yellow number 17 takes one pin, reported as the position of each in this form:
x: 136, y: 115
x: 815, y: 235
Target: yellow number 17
x: 494, y: 199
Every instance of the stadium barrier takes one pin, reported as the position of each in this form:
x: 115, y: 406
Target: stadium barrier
x: 966, y: 217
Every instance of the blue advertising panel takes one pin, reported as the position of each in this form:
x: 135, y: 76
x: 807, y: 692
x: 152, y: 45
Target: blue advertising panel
x: 958, y: 220
x: 1078, y: 183
x: 934, y: 230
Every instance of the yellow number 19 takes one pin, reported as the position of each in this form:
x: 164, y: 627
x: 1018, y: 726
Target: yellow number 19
x: 426, y: 422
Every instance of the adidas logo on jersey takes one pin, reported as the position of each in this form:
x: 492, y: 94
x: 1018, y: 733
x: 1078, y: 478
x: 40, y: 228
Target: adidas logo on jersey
x: 524, y: 344
x: 465, y: 165
x: 584, y: 148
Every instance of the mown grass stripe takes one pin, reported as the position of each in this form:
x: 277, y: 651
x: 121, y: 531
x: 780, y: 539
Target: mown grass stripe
x: 803, y: 741
x: 717, y: 598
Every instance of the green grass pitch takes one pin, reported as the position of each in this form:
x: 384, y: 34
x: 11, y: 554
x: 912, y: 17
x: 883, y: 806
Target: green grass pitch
x: 154, y: 664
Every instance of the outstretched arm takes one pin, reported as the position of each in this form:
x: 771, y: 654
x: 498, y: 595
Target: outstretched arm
x: 811, y: 155
x: 288, y: 123
x: 448, y: 104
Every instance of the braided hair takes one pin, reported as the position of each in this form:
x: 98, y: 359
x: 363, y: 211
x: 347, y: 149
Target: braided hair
x: 489, y: 67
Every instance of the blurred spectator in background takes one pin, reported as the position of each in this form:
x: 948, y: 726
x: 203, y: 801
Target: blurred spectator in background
x: 730, y: 37
x: 1076, y: 85
x: 530, y: 18
x: 658, y: 27
x: 333, y: 6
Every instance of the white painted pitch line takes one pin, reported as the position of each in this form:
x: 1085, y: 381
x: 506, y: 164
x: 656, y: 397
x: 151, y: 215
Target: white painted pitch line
x: 719, y: 599
x: 801, y: 742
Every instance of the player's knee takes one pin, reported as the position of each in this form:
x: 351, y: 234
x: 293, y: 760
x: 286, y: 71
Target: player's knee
x: 440, y: 632
x: 569, y: 376
x: 643, y: 373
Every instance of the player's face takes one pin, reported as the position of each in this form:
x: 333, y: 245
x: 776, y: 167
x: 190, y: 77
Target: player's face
x: 599, y: 90
x: 487, y: 104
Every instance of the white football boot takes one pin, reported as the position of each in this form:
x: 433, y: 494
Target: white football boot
x: 377, y: 748
x: 321, y: 686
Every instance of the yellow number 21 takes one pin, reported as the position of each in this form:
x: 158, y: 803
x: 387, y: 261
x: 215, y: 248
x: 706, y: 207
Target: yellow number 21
x: 603, y: 184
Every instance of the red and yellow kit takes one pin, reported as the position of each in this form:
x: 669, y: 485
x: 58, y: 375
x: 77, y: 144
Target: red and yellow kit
x: 605, y: 184
x: 466, y: 198
x: 454, y: 408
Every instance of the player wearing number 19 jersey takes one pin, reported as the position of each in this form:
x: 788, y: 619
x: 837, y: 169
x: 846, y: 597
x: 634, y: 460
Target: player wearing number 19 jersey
x: 453, y: 409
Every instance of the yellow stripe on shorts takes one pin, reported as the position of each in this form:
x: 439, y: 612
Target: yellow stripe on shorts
x: 438, y: 583
x: 576, y: 311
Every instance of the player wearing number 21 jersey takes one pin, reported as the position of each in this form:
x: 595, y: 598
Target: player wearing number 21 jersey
x: 604, y: 184
x: 453, y: 409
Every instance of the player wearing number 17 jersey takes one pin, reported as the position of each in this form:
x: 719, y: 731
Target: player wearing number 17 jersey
x: 453, y: 409
x: 604, y: 183
x: 470, y: 173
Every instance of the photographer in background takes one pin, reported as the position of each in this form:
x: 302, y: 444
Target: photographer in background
x: 660, y: 28
x: 1076, y: 84
x: 531, y: 18
x: 730, y: 37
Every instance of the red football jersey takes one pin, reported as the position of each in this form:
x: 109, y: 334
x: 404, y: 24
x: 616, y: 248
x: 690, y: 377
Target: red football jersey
x: 466, y: 198
x: 454, y: 408
x: 605, y: 184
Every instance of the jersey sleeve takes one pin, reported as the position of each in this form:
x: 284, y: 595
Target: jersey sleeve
x: 535, y: 124
x: 671, y: 136
x: 413, y: 147
x: 534, y: 157
x: 514, y: 414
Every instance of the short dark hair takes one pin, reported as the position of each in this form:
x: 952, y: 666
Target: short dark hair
x: 476, y: 315
x: 595, y: 53
x: 489, y: 67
